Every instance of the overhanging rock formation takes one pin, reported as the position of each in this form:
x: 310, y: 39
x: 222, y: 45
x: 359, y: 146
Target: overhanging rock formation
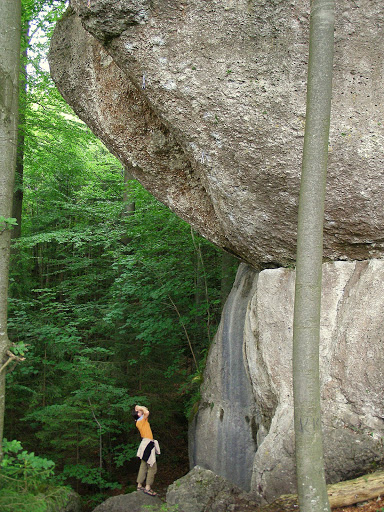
x: 206, y: 101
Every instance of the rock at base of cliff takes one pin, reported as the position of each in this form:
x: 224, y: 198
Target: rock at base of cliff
x: 134, y: 502
x: 73, y: 503
x: 201, y: 490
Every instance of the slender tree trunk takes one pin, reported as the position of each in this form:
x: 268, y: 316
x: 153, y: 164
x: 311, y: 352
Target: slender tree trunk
x: 201, y: 294
x: 306, y: 329
x: 10, y: 35
x: 44, y: 386
x: 19, y: 178
x: 129, y: 205
x: 77, y: 453
x: 199, y: 298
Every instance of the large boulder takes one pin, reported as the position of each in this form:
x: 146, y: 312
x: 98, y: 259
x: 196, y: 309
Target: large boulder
x: 205, y: 101
x: 201, y: 490
x: 352, y: 362
x: 136, y: 501
x: 72, y: 503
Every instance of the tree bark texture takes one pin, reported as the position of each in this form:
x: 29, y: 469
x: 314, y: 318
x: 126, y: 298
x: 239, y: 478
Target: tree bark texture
x: 10, y: 34
x: 130, y: 206
x: 306, y: 326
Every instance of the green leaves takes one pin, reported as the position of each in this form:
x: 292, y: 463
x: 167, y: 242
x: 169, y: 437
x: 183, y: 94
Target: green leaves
x: 19, y: 349
x: 24, y: 466
x: 26, y: 481
x: 88, y: 475
x: 7, y: 223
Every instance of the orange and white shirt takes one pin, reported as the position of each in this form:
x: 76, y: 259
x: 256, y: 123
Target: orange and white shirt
x: 144, y: 428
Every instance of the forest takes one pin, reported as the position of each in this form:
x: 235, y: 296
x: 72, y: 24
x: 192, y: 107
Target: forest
x: 113, y: 301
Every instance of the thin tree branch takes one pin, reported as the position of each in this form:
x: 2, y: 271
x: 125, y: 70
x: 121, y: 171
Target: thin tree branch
x: 185, y: 330
x: 11, y: 357
x: 100, y: 437
x: 198, y: 250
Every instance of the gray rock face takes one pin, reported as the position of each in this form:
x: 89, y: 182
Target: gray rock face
x: 352, y: 376
x: 73, y: 503
x: 206, y: 102
x: 223, y: 436
x: 106, y: 19
x: 136, y: 501
x: 201, y: 490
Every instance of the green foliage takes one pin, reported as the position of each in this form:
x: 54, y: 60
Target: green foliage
x: 88, y: 475
x: 25, y: 467
x: 192, y: 387
x: 47, y: 500
x: 7, y: 223
x: 19, y: 349
x: 27, y: 481
x: 124, y: 452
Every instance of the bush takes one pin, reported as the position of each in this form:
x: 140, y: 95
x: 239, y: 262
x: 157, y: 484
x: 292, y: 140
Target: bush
x: 26, y: 482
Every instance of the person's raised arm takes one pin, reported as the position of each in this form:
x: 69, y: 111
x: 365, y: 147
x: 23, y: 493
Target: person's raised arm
x: 142, y: 409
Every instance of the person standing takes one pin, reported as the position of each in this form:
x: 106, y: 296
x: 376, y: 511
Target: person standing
x: 147, y: 451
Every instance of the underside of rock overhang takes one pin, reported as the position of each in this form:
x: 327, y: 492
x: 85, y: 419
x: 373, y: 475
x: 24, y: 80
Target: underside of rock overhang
x: 205, y: 101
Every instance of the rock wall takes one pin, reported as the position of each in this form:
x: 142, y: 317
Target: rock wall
x: 206, y: 102
x: 352, y: 376
x: 223, y: 435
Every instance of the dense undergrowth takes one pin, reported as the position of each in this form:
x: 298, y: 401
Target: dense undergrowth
x: 27, y: 482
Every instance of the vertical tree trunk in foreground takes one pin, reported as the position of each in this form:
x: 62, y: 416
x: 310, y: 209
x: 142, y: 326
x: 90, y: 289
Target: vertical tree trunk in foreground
x: 306, y: 328
x: 10, y: 34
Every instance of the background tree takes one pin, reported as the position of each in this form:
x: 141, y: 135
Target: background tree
x: 306, y: 329
x: 10, y: 34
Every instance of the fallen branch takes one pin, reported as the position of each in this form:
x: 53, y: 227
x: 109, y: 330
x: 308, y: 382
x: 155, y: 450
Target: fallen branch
x: 354, y: 491
x: 11, y: 357
x: 342, y: 494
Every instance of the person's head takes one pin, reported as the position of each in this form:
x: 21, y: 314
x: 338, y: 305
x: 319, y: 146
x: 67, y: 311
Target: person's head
x: 136, y: 414
x: 139, y: 410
